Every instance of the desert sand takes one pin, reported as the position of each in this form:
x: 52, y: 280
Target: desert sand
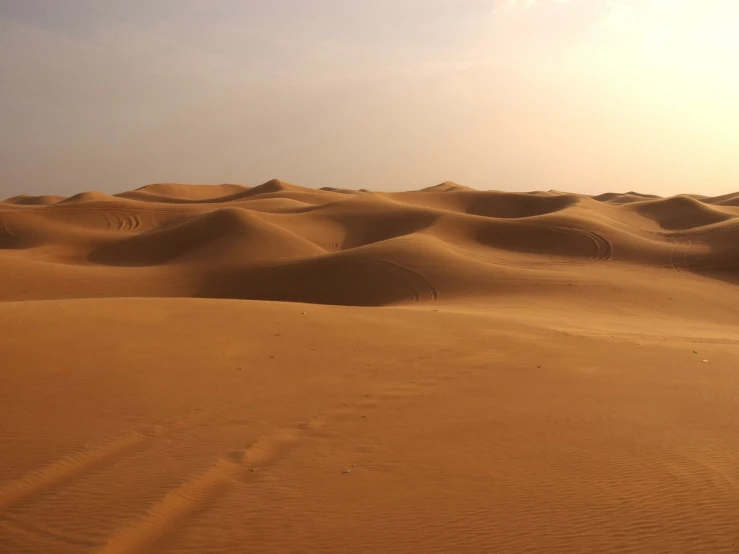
x: 271, y: 369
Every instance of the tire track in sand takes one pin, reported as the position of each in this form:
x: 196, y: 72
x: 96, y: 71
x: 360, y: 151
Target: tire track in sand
x: 174, y: 509
x: 8, y: 239
x: 160, y: 520
x: 27, y: 528
x: 420, y: 287
x: 602, y: 251
x: 164, y: 518
x: 77, y: 465
x: 121, y: 221
x: 680, y: 256
x: 603, y: 247
x: 132, y: 222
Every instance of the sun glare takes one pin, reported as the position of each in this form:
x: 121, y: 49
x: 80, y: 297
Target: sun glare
x: 693, y: 34
x: 676, y: 55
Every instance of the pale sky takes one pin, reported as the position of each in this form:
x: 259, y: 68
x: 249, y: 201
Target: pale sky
x: 578, y: 95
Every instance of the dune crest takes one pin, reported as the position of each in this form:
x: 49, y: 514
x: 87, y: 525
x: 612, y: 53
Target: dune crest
x: 191, y: 192
x: 28, y: 200
x: 682, y: 212
x: 185, y: 239
x: 446, y: 186
x: 87, y: 196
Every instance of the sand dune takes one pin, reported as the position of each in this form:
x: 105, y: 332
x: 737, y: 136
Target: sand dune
x: 622, y: 198
x: 221, y: 234
x: 190, y: 192
x: 446, y: 186
x: 87, y: 197
x: 682, y: 212
x: 26, y: 199
x: 193, y: 368
x: 731, y: 199
x: 229, y: 232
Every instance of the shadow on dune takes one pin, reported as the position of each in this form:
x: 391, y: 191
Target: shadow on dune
x: 514, y: 205
x: 335, y: 280
x: 371, y: 227
x: 714, y: 253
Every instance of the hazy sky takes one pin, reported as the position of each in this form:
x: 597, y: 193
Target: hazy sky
x: 578, y: 95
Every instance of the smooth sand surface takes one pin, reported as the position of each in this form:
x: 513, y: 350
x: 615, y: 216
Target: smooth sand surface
x: 279, y: 369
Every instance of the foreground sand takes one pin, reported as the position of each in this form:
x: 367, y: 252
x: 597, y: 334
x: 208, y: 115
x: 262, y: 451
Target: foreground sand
x: 528, y: 379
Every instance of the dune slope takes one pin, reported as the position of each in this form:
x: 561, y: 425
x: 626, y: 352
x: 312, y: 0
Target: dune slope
x: 276, y: 369
x: 182, y: 239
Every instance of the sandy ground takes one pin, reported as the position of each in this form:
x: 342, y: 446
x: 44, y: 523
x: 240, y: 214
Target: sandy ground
x: 279, y: 369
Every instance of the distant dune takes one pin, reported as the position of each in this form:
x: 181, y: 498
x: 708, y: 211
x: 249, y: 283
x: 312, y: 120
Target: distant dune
x: 304, y: 241
x: 274, y: 369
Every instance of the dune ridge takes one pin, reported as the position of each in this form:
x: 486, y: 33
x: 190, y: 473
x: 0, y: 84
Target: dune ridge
x: 304, y: 241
